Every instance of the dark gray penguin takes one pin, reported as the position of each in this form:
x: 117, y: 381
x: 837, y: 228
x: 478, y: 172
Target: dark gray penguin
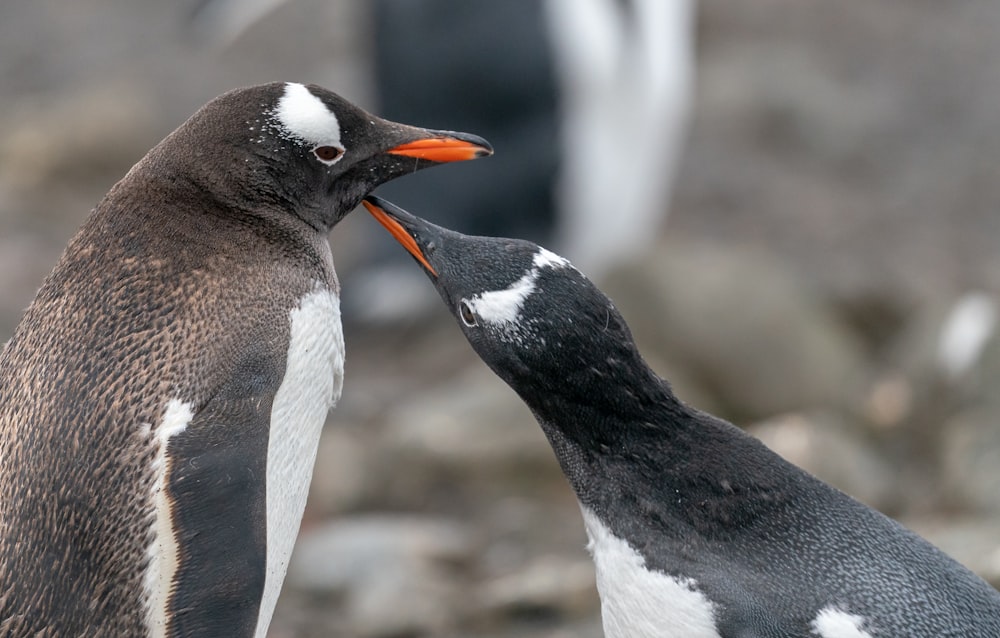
x: 697, y: 530
x: 162, y: 399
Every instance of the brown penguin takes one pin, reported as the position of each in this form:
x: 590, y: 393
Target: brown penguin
x: 162, y: 399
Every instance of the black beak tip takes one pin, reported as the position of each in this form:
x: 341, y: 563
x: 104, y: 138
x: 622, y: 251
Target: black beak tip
x: 485, y: 148
x: 384, y: 204
x: 403, y: 217
x: 375, y: 200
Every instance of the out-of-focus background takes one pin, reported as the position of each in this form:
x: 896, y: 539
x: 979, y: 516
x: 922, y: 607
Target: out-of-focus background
x: 805, y: 197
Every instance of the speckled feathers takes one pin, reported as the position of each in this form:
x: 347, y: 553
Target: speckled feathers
x: 138, y: 393
x: 697, y: 529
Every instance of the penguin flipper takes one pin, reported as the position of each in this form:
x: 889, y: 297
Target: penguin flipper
x: 217, y: 483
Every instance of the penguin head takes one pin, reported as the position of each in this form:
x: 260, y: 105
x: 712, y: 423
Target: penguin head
x: 301, y: 149
x: 539, y: 323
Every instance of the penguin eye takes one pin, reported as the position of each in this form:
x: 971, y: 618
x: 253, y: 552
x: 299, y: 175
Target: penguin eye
x: 465, y: 312
x: 328, y: 154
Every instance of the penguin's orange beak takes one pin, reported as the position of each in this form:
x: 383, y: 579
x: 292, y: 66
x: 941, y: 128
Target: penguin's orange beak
x: 399, y: 233
x: 448, y: 147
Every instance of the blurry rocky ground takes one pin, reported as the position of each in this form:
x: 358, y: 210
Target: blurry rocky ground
x: 837, y: 201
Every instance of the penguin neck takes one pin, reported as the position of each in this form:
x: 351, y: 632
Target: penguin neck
x: 636, y: 416
x: 675, y: 465
x: 226, y: 181
x: 203, y: 219
x: 617, y: 402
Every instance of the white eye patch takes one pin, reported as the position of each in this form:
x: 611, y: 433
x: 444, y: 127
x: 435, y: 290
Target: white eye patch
x: 504, y: 306
x: 305, y: 117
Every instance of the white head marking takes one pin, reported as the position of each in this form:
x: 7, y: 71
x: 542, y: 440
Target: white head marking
x: 504, y: 306
x: 548, y: 258
x: 305, y: 117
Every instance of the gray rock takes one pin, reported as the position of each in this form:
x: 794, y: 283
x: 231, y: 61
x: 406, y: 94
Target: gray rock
x: 25, y: 259
x: 917, y: 352
x: 350, y: 551
x: 741, y: 324
x: 406, y: 603
x: 475, y: 425
x: 393, y: 575
x: 828, y: 447
x: 974, y: 542
x: 341, y: 475
x: 941, y: 425
x: 971, y: 460
x: 589, y: 627
x: 538, y: 522
x: 565, y: 587
x: 44, y: 143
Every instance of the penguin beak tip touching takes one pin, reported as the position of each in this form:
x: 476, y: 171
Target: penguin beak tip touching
x: 392, y: 219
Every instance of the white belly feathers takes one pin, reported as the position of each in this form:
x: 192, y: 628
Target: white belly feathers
x: 641, y: 603
x: 313, y: 380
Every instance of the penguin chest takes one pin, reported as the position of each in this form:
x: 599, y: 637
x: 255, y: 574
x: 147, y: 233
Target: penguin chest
x: 637, y: 602
x: 227, y: 510
x: 311, y: 385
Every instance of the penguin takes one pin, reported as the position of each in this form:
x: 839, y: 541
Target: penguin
x: 697, y: 530
x: 162, y: 398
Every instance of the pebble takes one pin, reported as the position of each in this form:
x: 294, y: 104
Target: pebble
x: 394, y: 575
x: 971, y: 465
x: 972, y: 541
x: 474, y: 425
x: 549, y: 585
x: 742, y: 324
x: 825, y: 445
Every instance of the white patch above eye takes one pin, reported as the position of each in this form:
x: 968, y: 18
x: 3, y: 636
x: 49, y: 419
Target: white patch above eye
x: 504, y: 306
x: 834, y: 623
x: 305, y: 117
